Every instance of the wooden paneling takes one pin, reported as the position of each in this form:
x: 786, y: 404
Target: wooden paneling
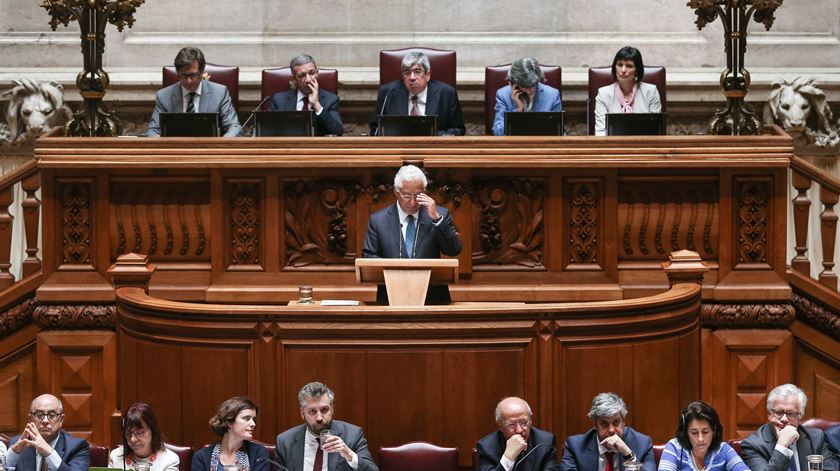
x: 817, y: 367
x: 17, y: 385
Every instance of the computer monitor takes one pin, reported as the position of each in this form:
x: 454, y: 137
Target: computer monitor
x: 635, y: 124
x: 283, y: 123
x: 534, y: 123
x: 189, y: 124
x: 407, y: 125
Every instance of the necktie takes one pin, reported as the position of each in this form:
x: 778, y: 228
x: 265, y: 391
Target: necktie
x: 305, y: 106
x: 608, y: 457
x: 191, y: 103
x: 415, y: 107
x: 410, y: 234
x: 319, y: 458
x: 44, y: 465
x: 792, y: 464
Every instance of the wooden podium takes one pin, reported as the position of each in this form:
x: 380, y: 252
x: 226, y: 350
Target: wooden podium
x: 406, y: 279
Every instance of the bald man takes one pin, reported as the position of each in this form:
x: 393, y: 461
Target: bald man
x: 43, y: 445
x: 516, y: 444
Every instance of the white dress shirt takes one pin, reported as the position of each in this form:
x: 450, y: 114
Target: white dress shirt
x: 310, y: 447
x: 421, y: 101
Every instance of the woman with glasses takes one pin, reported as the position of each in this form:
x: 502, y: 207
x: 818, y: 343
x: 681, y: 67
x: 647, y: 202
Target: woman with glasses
x: 143, y: 444
x: 699, y: 444
x: 628, y: 94
x: 234, y: 422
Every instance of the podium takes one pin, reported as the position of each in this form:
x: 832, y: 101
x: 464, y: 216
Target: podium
x: 406, y: 279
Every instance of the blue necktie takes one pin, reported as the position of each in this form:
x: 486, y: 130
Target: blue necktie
x: 792, y: 464
x: 410, y: 233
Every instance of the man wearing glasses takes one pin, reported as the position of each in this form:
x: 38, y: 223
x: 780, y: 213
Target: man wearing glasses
x: 417, y: 95
x: 194, y: 94
x: 43, y: 446
x: 516, y: 444
x: 306, y: 95
x: 783, y: 444
x: 415, y: 227
x: 609, y: 443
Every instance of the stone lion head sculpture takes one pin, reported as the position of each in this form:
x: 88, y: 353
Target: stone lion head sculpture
x: 34, y: 108
x: 798, y: 106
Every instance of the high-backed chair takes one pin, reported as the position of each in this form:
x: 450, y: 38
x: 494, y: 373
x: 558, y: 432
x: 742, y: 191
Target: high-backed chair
x: 657, y: 453
x: 820, y: 423
x: 98, y: 455
x: 184, y: 453
x: 601, y: 76
x: 227, y: 75
x: 418, y: 456
x: 5, y: 439
x: 495, y: 77
x: 735, y: 443
x: 442, y: 62
x: 476, y: 459
x: 277, y: 80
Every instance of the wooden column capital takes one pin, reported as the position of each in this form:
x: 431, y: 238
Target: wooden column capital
x: 131, y: 270
x: 685, y: 266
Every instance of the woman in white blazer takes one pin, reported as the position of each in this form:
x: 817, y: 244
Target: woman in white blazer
x: 628, y: 94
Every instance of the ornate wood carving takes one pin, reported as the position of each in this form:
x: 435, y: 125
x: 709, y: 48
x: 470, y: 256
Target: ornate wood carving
x: 317, y: 228
x: 450, y: 191
x: 76, y: 316
x: 747, y: 315
x: 511, y: 230
x: 245, y: 222
x: 6, y: 219
x: 801, y: 207
x: 826, y: 320
x: 76, y: 222
x: 31, y: 206
x: 828, y: 235
x: 753, y: 244
x: 17, y: 316
x: 584, y: 209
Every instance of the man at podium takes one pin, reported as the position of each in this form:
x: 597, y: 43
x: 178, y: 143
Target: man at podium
x: 414, y: 227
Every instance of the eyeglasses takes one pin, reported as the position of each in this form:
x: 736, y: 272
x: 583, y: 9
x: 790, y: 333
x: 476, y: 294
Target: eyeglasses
x: 191, y: 76
x: 778, y: 414
x: 522, y: 424
x: 39, y: 415
x: 311, y: 73
x: 408, y: 196
x: 136, y: 433
x: 418, y: 72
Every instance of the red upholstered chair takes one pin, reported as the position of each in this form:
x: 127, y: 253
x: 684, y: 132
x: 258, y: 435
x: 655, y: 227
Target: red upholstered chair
x: 442, y: 62
x: 735, y: 443
x: 822, y: 424
x: 277, y: 80
x: 98, y: 455
x: 495, y: 77
x: 184, y: 453
x: 418, y: 456
x: 657, y: 453
x: 601, y: 76
x: 227, y: 75
x: 5, y: 439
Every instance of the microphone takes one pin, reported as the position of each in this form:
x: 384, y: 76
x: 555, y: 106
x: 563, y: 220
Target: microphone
x: 254, y: 113
x: 526, y: 455
x: 381, y: 110
x: 274, y: 463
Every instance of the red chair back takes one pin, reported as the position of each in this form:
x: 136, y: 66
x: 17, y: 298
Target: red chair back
x: 735, y: 443
x: 227, y: 75
x: 98, y: 455
x: 820, y: 423
x: 657, y: 453
x: 495, y: 77
x: 418, y: 456
x: 601, y: 76
x: 184, y: 453
x: 5, y: 439
x: 476, y: 459
x: 442, y: 62
x: 277, y: 80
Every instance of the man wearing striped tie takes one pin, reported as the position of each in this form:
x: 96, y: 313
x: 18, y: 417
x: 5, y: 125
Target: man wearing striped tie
x: 414, y: 227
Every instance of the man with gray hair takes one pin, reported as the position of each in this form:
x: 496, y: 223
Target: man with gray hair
x: 516, y: 444
x: 306, y: 95
x: 417, y: 95
x: 525, y: 92
x: 414, y: 227
x: 783, y: 444
x: 609, y: 443
x: 44, y: 445
x: 303, y: 448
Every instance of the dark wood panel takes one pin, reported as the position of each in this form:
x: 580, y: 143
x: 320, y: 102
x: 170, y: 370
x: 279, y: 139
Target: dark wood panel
x: 17, y: 382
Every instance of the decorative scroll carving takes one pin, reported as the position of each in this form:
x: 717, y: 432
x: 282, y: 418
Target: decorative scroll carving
x: 511, y: 228
x: 753, y: 221
x: 17, y: 316
x: 76, y: 316
x: 316, y: 221
x: 583, y: 221
x: 659, y: 217
x: 76, y: 223
x: 450, y: 190
x: 245, y: 223
x: 824, y: 319
x: 747, y: 315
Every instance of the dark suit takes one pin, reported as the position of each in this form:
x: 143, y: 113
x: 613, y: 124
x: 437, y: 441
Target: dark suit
x: 257, y: 457
x: 759, y: 453
x: 491, y: 447
x: 580, y: 452
x: 328, y: 122
x: 441, y: 101
x: 290, y: 446
x: 832, y: 438
x: 384, y: 239
x: 74, y: 453
x: 214, y: 99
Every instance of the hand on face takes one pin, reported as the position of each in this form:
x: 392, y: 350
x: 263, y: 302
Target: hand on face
x: 313, y: 94
x: 521, y: 96
x: 516, y: 444
x: 788, y: 436
x: 615, y: 443
x: 32, y: 437
x: 429, y: 203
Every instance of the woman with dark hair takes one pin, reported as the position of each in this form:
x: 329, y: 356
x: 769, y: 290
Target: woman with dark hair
x: 628, y: 94
x: 235, y: 422
x: 143, y: 444
x: 699, y: 444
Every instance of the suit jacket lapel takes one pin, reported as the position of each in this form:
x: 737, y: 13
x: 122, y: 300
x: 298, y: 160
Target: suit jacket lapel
x: 296, y: 460
x: 206, y: 96
x: 400, y: 96
x: 177, y: 100
x: 424, y: 225
x: 26, y: 462
x: 394, y: 221
x: 804, y: 447
x: 332, y: 458
x: 432, y: 98
x: 291, y: 101
x: 591, y: 455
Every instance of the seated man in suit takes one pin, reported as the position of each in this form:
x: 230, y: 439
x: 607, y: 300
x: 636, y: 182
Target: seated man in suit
x: 305, y: 95
x: 526, y: 92
x: 414, y: 227
x: 194, y: 94
x: 609, y: 443
x: 43, y: 445
x: 783, y: 444
x: 302, y: 448
x: 417, y: 95
x: 516, y: 444
x: 832, y: 437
